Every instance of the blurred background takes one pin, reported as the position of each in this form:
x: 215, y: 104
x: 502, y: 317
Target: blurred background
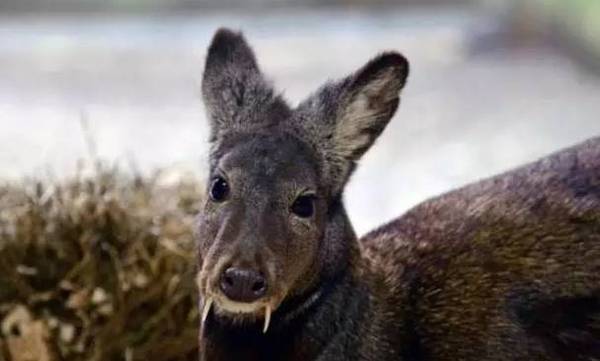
x: 493, y: 84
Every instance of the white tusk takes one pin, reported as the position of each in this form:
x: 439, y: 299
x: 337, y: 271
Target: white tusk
x: 267, y: 318
x: 206, y: 309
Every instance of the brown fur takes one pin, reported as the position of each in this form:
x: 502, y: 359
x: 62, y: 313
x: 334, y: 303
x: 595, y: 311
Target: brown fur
x: 465, y: 262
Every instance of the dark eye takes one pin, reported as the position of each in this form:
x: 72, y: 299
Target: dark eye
x: 219, y: 189
x: 304, y: 206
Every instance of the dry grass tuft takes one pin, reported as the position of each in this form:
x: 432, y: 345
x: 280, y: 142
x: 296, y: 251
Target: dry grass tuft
x: 98, y: 268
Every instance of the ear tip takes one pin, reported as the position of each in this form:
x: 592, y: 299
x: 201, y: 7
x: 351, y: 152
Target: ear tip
x: 225, y: 42
x: 393, y: 59
x: 391, y: 63
x: 226, y: 35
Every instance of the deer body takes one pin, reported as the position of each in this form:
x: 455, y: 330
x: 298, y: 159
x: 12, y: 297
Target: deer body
x: 504, y: 269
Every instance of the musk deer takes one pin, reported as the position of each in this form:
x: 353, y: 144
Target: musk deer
x: 504, y: 269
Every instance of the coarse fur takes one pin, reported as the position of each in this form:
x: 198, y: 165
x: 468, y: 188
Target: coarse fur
x: 505, y: 269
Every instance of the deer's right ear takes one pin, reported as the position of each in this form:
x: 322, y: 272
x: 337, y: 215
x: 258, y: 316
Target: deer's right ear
x: 234, y: 91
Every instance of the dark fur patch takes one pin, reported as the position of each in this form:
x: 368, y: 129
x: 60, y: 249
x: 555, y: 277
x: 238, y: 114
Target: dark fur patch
x: 584, y: 182
x: 568, y: 326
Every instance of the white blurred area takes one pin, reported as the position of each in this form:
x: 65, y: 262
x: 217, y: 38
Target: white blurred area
x: 474, y: 105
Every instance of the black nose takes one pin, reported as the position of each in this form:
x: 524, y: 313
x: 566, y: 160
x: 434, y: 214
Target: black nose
x: 243, y: 285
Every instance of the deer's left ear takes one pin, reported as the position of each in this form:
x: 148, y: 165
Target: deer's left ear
x: 345, y: 118
x: 235, y: 93
x: 368, y: 101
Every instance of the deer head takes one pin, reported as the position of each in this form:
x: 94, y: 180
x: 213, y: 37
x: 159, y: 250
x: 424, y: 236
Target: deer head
x: 273, y: 227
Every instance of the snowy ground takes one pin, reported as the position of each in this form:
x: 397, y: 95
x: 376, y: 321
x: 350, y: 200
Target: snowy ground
x: 464, y: 114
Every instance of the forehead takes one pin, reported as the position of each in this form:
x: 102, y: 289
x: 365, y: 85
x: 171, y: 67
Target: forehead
x: 268, y: 157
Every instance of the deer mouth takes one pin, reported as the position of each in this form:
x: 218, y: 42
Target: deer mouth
x: 236, y: 310
x: 214, y: 300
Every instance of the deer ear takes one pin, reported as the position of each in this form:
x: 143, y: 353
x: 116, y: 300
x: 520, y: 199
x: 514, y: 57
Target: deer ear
x: 368, y: 101
x: 234, y: 91
x: 346, y: 117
